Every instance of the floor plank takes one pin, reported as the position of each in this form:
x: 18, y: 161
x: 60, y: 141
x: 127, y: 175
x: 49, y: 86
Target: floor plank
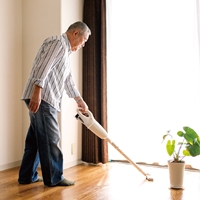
x: 112, y: 181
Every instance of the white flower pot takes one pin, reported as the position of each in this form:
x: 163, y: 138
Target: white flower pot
x: 176, y: 174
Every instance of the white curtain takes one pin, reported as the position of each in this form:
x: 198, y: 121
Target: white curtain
x: 153, y: 75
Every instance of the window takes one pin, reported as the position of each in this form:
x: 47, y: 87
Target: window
x: 153, y: 75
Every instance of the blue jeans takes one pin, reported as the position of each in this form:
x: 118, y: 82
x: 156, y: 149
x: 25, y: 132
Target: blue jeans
x: 42, y: 146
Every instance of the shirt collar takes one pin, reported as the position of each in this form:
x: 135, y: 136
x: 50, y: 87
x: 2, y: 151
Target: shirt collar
x: 67, y: 42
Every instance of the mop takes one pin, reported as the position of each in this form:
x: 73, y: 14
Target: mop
x: 88, y: 120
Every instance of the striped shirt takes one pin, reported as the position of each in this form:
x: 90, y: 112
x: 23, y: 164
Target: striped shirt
x: 51, y: 71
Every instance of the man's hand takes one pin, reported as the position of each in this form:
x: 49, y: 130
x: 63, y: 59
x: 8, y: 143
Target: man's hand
x: 35, y: 99
x: 81, y: 104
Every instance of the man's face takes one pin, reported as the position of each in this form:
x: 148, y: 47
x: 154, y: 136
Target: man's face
x: 78, y: 40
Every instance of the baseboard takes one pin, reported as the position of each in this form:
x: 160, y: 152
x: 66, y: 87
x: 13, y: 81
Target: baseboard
x: 18, y: 163
x: 72, y: 164
x: 10, y: 165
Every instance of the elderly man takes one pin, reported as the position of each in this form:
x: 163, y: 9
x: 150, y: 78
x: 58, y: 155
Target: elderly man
x: 49, y: 77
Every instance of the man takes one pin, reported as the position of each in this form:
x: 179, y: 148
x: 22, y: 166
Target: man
x: 49, y: 77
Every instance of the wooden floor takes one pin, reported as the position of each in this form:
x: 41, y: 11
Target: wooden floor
x: 112, y: 181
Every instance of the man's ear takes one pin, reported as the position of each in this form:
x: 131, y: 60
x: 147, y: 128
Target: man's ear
x: 75, y: 33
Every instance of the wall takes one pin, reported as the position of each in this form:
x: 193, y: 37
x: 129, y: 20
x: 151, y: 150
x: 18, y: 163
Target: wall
x: 24, y: 25
x: 70, y: 127
x: 11, y: 83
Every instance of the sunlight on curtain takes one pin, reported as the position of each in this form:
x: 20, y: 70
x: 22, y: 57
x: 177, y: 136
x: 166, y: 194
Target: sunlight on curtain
x: 153, y: 75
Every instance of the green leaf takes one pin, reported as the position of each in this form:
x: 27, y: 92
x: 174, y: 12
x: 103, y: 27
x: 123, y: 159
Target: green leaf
x: 190, y: 135
x: 186, y: 153
x: 194, y: 149
x: 196, y: 141
x: 170, y: 146
x: 164, y: 136
x: 180, y: 133
x: 180, y: 143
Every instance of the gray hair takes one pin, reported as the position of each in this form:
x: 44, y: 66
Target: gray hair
x: 81, y: 26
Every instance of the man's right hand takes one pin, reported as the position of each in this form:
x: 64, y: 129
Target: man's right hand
x: 35, y: 99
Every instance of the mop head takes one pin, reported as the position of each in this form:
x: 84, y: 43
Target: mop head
x: 148, y: 177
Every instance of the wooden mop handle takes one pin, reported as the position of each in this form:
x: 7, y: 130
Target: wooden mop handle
x: 120, y: 151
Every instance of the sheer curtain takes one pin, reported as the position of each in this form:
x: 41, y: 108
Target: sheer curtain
x: 153, y: 75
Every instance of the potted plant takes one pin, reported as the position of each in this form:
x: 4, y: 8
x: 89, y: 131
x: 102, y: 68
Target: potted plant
x: 189, y: 145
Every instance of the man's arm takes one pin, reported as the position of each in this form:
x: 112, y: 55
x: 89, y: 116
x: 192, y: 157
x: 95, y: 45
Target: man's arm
x: 35, y: 99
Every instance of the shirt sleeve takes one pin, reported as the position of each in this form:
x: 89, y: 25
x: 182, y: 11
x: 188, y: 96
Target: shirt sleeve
x: 70, y: 87
x: 48, y: 55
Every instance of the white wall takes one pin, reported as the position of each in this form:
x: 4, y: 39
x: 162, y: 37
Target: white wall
x: 24, y: 25
x: 11, y: 83
x: 70, y: 127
